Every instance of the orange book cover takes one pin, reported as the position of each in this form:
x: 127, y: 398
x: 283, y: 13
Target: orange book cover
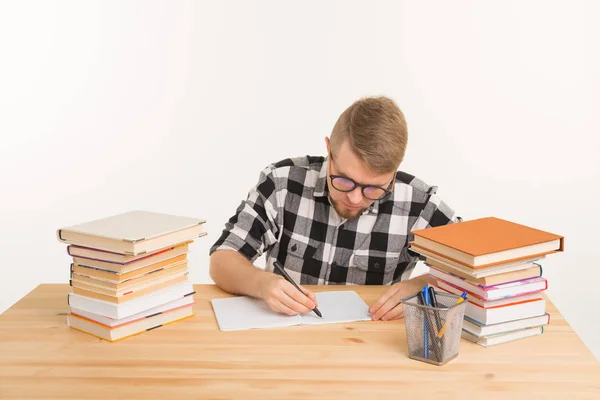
x: 487, y: 241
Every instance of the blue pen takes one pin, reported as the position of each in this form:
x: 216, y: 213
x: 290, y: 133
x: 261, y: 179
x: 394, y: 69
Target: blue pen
x: 425, y: 333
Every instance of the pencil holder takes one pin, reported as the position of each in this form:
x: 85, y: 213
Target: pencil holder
x: 433, y: 333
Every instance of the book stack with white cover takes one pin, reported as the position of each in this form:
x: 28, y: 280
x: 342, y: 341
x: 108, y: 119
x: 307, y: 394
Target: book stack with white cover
x: 129, y: 272
x: 497, y: 263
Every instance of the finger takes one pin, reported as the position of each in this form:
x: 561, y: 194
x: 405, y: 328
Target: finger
x: 299, y: 297
x: 279, y: 307
x: 310, y: 295
x: 395, y: 313
x: 290, y: 302
x: 387, y: 306
x: 383, y: 299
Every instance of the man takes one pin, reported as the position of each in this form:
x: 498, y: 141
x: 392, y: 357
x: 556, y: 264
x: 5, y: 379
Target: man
x: 341, y: 219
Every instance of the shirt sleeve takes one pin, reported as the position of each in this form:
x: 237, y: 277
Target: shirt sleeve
x: 253, y: 228
x: 435, y: 213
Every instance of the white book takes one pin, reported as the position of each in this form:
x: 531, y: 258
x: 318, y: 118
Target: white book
x: 488, y: 316
x: 131, y: 307
x: 492, y: 340
x: 112, y: 322
x: 241, y: 313
x: 134, y: 232
x: 477, y: 329
x: 113, y: 334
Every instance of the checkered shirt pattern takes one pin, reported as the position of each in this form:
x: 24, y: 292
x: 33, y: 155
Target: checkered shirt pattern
x: 288, y: 216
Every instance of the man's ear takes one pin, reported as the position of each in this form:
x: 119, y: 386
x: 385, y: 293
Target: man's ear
x: 327, y: 143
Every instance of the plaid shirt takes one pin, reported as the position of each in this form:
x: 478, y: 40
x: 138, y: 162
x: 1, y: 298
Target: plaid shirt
x: 288, y: 215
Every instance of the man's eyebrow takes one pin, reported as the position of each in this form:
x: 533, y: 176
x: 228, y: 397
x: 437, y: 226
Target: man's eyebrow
x: 368, y: 184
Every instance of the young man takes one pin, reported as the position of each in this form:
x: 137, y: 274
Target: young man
x: 341, y: 219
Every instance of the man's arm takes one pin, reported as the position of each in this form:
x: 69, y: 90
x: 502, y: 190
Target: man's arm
x: 435, y: 213
x: 233, y: 273
x: 246, y: 235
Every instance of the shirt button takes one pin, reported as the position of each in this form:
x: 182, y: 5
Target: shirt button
x: 376, y: 265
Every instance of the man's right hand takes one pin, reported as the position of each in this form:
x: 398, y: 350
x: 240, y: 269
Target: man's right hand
x: 282, y: 297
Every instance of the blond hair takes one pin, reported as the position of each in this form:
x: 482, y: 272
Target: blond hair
x: 376, y: 131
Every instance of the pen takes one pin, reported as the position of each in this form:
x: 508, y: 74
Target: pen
x: 425, y: 320
x: 428, y: 329
x: 438, y: 321
x: 423, y: 302
x: 290, y: 280
x: 449, y: 317
x: 434, y: 303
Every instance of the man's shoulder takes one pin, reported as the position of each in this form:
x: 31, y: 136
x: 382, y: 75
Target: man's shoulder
x: 425, y: 198
x: 303, y: 162
x: 404, y: 178
x: 296, y: 167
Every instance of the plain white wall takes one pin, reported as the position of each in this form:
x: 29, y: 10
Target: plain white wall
x: 176, y: 106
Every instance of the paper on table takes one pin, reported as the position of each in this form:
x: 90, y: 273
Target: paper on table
x: 241, y: 313
x: 238, y: 313
x: 344, y: 306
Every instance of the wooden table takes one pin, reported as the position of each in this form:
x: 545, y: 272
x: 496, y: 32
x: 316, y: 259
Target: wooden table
x: 42, y: 358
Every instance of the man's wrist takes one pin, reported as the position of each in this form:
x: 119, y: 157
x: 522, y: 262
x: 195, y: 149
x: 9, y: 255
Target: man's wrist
x: 413, y: 285
x: 256, y: 283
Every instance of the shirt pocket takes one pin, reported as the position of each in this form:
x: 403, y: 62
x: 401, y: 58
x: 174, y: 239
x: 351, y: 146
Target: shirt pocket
x: 374, y: 267
x: 296, y: 251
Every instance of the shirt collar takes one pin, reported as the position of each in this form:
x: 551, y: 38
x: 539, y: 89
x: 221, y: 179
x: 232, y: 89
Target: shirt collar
x: 321, y: 185
x: 373, y: 208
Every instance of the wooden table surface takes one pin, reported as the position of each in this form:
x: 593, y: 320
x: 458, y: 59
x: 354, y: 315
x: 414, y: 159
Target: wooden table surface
x: 42, y: 358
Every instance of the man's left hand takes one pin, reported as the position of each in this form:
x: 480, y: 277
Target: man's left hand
x: 388, y: 306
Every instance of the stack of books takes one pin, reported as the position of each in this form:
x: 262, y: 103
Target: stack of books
x: 497, y: 263
x: 129, y: 272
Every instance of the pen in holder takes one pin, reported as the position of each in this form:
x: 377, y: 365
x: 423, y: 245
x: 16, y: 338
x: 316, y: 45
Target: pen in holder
x: 433, y: 325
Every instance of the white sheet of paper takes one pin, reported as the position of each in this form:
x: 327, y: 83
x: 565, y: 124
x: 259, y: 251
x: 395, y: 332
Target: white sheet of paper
x: 241, y: 313
x: 337, y: 307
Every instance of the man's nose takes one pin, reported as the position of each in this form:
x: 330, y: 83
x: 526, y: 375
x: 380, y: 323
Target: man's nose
x: 355, y: 196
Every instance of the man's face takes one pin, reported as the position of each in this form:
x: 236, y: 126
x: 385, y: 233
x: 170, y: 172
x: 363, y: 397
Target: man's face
x: 345, y: 163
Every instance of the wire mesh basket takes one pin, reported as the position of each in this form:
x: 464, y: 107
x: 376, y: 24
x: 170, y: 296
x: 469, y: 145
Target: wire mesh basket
x: 434, y: 333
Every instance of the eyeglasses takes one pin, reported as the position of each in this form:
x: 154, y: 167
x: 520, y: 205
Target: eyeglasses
x: 371, y: 192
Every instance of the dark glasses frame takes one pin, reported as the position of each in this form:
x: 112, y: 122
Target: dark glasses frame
x: 387, y: 191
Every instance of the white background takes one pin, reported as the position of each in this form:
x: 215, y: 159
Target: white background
x: 176, y: 107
